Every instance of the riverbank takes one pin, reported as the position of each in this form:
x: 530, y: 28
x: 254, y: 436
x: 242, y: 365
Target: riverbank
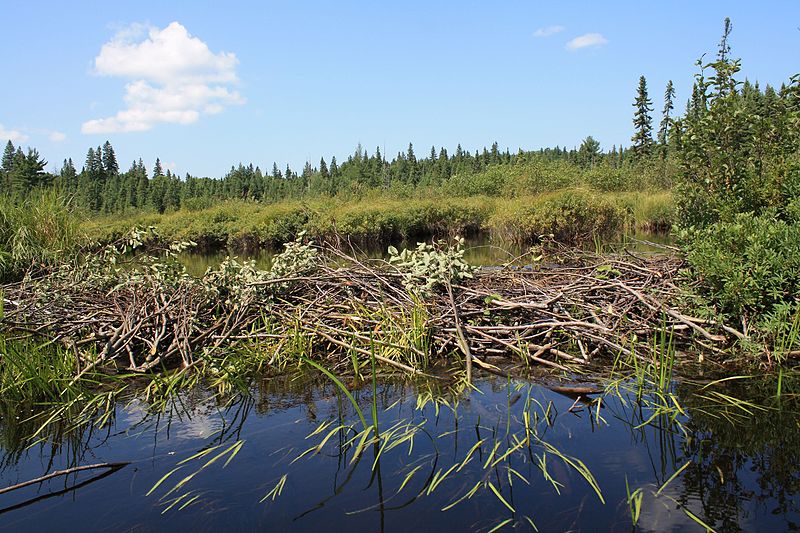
x: 571, y: 216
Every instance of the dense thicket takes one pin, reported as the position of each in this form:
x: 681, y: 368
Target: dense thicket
x: 738, y: 196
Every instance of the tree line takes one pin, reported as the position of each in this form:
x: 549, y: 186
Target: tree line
x: 100, y: 186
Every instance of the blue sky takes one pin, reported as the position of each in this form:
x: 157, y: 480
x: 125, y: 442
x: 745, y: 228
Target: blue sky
x: 204, y: 85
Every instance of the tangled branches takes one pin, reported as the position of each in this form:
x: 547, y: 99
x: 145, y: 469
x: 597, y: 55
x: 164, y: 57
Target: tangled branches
x: 141, y: 311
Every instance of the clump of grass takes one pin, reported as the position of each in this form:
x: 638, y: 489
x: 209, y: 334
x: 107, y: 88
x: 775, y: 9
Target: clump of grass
x: 569, y: 216
x: 33, y: 373
x: 37, y: 233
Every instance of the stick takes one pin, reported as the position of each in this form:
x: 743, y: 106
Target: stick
x: 58, y: 473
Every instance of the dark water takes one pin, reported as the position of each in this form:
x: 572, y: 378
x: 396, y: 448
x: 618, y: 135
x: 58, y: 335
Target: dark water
x: 480, y: 250
x: 739, y: 465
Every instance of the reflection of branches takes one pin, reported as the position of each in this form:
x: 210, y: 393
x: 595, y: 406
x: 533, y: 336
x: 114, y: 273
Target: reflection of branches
x: 112, y: 467
x: 728, y: 437
x: 651, y: 418
x: 70, y: 430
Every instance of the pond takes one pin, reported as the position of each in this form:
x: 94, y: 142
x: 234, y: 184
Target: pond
x: 480, y: 250
x: 293, y: 454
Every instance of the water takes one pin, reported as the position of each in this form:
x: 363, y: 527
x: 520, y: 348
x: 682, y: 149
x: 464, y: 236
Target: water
x: 480, y: 250
x: 741, y: 473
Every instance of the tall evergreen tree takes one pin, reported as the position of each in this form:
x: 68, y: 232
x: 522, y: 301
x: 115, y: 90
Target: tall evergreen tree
x: 109, y: 158
x: 157, y: 170
x: 8, y: 157
x: 68, y: 177
x: 663, y: 130
x: 27, y: 172
x: 588, y: 152
x: 642, y: 121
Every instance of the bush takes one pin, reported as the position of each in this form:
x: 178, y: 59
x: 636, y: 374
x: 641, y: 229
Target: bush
x: 749, y: 266
x: 570, y: 216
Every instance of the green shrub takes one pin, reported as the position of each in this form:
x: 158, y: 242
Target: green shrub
x: 570, y: 216
x: 653, y: 212
x: 490, y: 182
x: 537, y: 177
x: 748, y: 266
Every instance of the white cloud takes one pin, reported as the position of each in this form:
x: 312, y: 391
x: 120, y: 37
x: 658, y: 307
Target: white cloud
x: 548, y: 31
x: 586, y: 40
x: 15, y: 136
x: 175, y: 77
x: 57, y: 136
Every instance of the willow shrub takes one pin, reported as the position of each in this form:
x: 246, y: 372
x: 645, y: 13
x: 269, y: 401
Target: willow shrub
x: 570, y: 216
x: 381, y: 220
x: 748, y: 265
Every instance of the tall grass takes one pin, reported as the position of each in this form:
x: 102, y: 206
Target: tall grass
x: 570, y: 214
x: 39, y: 232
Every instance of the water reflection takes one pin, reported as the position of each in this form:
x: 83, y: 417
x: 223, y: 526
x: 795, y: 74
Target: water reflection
x: 533, y: 454
x: 481, y: 250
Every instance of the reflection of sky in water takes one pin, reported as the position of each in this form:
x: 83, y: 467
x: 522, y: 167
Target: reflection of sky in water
x: 327, y: 490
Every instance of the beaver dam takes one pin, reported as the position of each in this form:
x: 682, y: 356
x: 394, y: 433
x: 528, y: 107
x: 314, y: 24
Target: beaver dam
x: 564, y: 390
x: 564, y: 308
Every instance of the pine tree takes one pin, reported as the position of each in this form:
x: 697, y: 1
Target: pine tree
x: 8, y: 157
x: 157, y: 170
x: 663, y: 130
x: 68, y: 177
x: 142, y: 184
x: 642, y: 121
x: 588, y: 152
x: 27, y: 172
x: 110, y: 160
x: 323, y: 169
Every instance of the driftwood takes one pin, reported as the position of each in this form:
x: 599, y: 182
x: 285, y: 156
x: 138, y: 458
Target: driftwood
x: 558, y: 315
x: 65, y: 472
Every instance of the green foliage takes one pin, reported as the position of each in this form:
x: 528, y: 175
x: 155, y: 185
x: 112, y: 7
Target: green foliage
x: 298, y: 258
x: 747, y: 266
x: 40, y: 232
x: 737, y: 209
x: 642, y: 121
x: 569, y: 216
x: 431, y: 265
x: 375, y: 219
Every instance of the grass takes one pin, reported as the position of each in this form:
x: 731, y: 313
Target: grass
x: 573, y: 214
x: 41, y: 231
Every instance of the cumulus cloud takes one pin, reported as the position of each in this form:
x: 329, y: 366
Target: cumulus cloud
x: 587, y: 40
x: 548, y: 31
x: 175, y: 78
x: 15, y: 136
x: 56, y: 136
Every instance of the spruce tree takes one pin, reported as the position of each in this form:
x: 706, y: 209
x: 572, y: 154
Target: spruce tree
x: 157, y: 170
x: 663, y: 130
x: 110, y: 160
x: 8, y: 157
x: 642, y: 121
